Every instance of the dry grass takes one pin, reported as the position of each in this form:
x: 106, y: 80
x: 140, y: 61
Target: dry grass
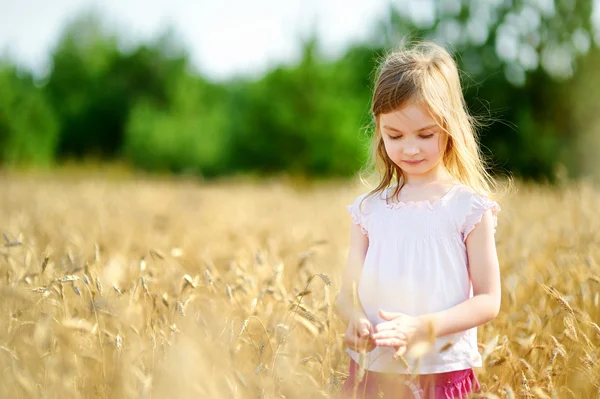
x: 176, y: 289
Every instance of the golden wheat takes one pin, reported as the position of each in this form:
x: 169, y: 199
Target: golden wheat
x: 225, y: 290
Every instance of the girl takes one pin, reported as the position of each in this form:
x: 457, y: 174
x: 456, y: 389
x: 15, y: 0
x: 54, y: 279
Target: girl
x: 422, y: 271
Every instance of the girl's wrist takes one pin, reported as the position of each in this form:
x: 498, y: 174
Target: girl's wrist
x: 349, y: 311
x: 426, y: 327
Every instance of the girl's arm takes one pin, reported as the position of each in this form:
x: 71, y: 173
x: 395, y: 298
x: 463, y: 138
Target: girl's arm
x: 485, y: 276
x: 347, y: 303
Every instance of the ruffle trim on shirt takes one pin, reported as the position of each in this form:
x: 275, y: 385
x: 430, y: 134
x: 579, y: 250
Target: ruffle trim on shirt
x: 479, y: 206
x: 356, y: 219
x: 431, y: 205
x: 414, y: 204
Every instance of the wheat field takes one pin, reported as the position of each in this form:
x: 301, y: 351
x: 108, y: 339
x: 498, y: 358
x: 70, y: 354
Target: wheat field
x: 156, y: 288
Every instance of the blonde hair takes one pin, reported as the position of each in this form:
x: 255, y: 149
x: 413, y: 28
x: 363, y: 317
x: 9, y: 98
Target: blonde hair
x: 426, y: 74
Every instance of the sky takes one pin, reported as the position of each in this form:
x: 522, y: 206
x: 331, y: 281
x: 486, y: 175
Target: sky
x: 224, y: 38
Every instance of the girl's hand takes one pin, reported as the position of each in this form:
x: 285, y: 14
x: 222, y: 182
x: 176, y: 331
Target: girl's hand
x: 398, y: 331
x: 358, y: 335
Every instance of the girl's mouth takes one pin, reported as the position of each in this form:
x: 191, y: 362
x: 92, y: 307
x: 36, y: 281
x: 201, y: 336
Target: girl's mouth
x: 413, y: 162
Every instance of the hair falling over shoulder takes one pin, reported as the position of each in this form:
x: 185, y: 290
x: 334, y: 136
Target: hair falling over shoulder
x: 424, y: 73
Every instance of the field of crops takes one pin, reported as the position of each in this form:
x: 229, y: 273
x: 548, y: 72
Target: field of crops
x: 158, y: 288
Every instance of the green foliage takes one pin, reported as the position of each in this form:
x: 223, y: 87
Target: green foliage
x: 93, y: 86
x: 28, y: 128
x: 302, y: 119
x: 187, y: 136
x: 144, y: 105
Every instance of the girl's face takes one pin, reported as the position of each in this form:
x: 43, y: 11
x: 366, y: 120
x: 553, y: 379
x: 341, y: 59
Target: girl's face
x: 414, y: 141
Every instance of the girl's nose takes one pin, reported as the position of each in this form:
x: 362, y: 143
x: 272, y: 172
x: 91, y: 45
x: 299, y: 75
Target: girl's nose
x: 411, y: 150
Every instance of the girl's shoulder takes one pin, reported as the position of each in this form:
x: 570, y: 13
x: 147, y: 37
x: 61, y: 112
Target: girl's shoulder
x: 361, y: 209
x: 365, y: 203
x: 467, y: 196
x: 468, y: 206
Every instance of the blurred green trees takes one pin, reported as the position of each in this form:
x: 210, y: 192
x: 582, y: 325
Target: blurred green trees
x: 28, y: 127
x: 525, y: 63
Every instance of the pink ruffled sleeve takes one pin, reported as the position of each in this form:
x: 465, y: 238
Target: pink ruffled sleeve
x: 479, y: 205
x: 358, y: 217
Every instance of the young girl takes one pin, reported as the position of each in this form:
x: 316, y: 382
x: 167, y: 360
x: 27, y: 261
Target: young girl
x: 422, y: 271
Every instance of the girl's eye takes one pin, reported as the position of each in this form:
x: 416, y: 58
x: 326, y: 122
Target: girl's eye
x: 428, y: 136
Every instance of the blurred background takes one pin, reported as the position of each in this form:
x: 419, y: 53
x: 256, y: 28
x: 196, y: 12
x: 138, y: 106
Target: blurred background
x: 143, y: 287
x: 221, y: 88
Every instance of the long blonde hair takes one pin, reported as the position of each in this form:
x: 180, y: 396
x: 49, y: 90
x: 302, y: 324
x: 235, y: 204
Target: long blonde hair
x: 426, y: 74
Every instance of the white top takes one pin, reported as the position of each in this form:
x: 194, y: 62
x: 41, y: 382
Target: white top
x: 417, y: 264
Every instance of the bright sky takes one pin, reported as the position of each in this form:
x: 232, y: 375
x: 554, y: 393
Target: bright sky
x: 223, y: 37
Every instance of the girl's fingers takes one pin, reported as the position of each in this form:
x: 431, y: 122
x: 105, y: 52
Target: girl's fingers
x: 355, y: 341
x: 388, y: 325
x: 389, y: 334
x: 390, y: 342
x: 362, y: 346
x: 393, y: 325
x: 364, y: 325
x: 400, y: 352
x: 364, y: 332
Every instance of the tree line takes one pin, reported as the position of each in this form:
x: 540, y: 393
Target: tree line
x: 529, y: 73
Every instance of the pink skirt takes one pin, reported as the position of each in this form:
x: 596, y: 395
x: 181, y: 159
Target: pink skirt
x: 450, y: 385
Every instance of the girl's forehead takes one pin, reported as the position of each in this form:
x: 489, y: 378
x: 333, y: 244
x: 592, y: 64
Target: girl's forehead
x: 411, y: 115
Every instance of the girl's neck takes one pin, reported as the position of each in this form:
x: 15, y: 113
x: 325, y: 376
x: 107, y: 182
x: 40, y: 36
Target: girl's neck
x: 437, y: 176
